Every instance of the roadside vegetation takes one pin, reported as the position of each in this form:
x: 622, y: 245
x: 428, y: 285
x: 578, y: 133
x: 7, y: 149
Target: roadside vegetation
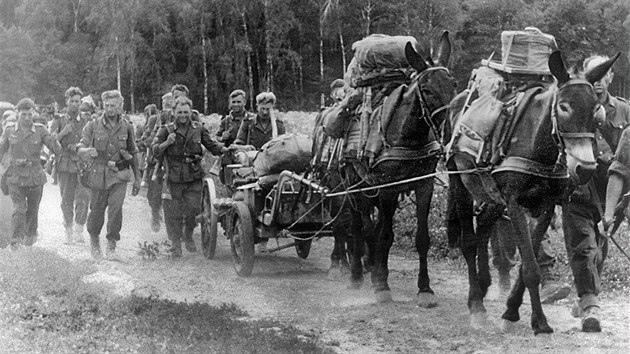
x: 46, y: 306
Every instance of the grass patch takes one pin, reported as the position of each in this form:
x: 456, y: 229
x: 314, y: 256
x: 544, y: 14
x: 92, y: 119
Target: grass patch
x: 46, y: 305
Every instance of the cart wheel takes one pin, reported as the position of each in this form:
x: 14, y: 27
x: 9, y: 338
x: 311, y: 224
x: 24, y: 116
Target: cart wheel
x: 209, y: 220
x: 303, y: 248
x: 242, y: 241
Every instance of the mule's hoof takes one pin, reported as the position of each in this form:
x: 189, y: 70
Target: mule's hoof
x: 427, y: 300
x: 507, y: 326
x: 543, y: 329
x: 355, y: 284
x: 384, y: 296
x: 334, y: 274
x: 479, y: 321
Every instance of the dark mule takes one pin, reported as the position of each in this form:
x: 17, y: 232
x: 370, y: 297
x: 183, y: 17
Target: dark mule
x: 411, y: 150
x: 552, y: 142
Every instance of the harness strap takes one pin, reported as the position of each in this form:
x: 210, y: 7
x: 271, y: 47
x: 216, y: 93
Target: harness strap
x: 531, y: 167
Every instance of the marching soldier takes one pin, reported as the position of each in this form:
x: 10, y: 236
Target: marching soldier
x: 264, y: 127
x: 108, y: 144
x: 75, y: 198
x: 24, y: 178
x: 179, y: 144
x: 261, y: 129
x: 582, y: 211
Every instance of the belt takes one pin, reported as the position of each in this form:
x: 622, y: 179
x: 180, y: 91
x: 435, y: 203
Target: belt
x: 185, y: 158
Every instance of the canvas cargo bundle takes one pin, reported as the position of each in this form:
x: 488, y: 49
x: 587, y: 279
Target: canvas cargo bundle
x: 379, y: 58
x: 286, y: 152
x: 527, y: 50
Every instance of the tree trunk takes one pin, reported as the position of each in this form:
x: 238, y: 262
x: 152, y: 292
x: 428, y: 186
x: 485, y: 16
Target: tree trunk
x: 248, y: 57
x: 132, y: 97
x: 343, y: 47
x: 204, y: 58
x: 321, y: 63
x: 268, y: 58
x: 118, y: 72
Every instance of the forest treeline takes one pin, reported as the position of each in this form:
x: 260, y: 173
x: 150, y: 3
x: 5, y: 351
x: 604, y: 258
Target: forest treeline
x: 292, y: 47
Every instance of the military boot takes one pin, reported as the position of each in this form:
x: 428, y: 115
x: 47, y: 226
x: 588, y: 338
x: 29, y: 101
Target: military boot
x: 591, y: 319
x: 552, y: 290
x: 156, y: 221
x: 176, y: 249
x: 69, y: 232
x: 188, y: 239
x: 95, y: 247
x: 505, y: 283
x: 110, y: 251
x: 78, y: 233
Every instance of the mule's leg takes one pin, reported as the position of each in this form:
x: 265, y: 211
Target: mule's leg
x: 426, y: 296
x: 368, y: 231
x: 530, y: 273
x: 341, y: 229
x: 356, y: 264
x: 384, y: 240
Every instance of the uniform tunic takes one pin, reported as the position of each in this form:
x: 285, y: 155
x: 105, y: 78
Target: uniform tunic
x: 25, y: 176
x: 109, y: 176
x: 185, y: 175
x: 582, y: 211
x: 252, y: 132
x: 75, y: 198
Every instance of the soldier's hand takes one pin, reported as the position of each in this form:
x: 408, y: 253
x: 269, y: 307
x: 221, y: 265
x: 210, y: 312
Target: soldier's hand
x: 225, y: 136
x: 171, y: 138
x: 93, y: 153
x: 135, y: 188
x: 66, y: 130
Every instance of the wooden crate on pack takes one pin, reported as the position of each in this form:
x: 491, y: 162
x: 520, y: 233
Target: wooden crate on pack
x: 524, y: 52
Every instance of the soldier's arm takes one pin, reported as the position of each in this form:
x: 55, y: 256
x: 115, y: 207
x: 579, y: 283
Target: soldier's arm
x: 158, y: 145
x: 86, y: 136
x: 214, y: 147
x: 222, y: 127
x: 280, y: 125
x: 618, y: 176
x: 146, y: 138
x: 243, y: 130
x: 133, y: 150
x: 51, y: 143
x: 4, y: 143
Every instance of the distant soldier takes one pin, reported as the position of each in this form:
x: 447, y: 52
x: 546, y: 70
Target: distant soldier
x: 25, y: 176
x: 230, y: 123
x: 75, y: 198
x: 256, y: 132
x: 180, y: 145
x: 108, y: 143
x: 154, y: 190
x: 582, y: 211
x: 264, y: 127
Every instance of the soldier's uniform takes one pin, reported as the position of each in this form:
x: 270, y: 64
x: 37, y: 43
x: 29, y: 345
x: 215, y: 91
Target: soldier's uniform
x: 25, y: 176
x: 154, y: 188
x: 621, y: 162
x: 185, y: 178
x: 252, y: 132
x: 109, y: 174
x: 75, y: 198
x: 586, y: 247
x: 231, y: 123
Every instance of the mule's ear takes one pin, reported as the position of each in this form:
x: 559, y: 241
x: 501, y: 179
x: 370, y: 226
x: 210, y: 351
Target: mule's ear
x: 557, y: 68
x: 600, y: 70
x: 414, y: 59
x: 444, y: 53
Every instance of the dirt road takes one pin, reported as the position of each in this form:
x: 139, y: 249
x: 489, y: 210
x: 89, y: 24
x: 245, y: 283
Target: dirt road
x: 296, y: 291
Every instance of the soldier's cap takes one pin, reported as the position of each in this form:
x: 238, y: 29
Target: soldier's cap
x: 266, y: 97
x: 337, y: 83
x: 237, y: 93
x: 167, y: 95
x: 7, y: 114
x: 86, y: 107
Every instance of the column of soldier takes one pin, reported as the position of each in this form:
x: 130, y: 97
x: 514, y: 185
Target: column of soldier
x: 95, y: 158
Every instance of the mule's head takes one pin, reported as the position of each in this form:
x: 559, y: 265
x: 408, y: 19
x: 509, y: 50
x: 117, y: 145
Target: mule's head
x: 436, y: 85
x: 574, y: 115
